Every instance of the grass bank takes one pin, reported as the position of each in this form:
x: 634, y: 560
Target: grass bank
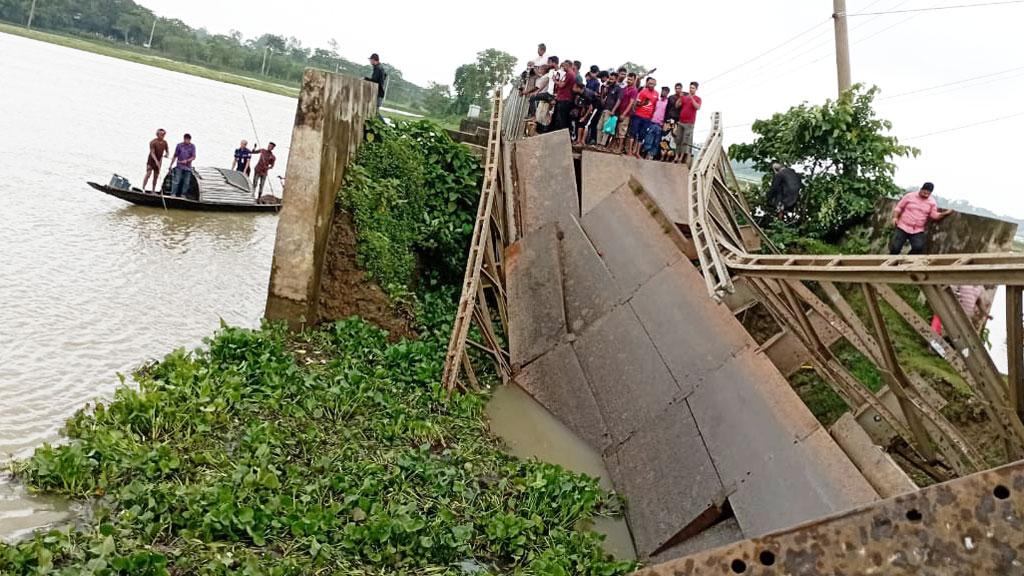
x: 327, y: 453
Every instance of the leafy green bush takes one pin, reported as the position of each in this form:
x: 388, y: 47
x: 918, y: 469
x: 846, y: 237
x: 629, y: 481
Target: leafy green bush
x: 336, y: 452
x: 843, y: 153
x: 412, y: 192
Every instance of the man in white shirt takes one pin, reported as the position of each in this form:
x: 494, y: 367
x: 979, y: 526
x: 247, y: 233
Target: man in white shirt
x: 539, y: 61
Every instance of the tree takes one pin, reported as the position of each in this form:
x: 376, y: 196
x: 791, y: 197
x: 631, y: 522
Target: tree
x: 843, y: 153
x: 639, y: 69
x: 438, y: 99
x: 474, y: 82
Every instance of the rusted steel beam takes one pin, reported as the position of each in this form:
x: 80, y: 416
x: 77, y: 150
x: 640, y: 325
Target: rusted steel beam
x: 996, y: 268
x: 970, y: 525
x: 895, y: 377
x: 1015, y: 348
x: 993, y: 388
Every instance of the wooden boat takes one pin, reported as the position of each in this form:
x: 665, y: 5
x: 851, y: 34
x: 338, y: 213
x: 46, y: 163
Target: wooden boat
x: 213, y: 189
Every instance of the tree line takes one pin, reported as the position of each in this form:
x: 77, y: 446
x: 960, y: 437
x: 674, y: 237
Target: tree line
x: 270, y: 56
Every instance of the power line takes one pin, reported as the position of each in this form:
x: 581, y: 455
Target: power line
x: 933, y: 8
x: 956, y: 82
x: 770, y: 50
x: 787, y: 59
x: 965, y: 126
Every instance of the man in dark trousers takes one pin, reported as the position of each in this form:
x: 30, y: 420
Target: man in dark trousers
x: 785, y: 190
x: 378, y: 76
x: 911, y: 216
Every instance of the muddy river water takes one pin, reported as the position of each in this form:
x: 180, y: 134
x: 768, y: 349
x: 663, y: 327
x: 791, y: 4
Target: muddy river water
x: 91, y: 286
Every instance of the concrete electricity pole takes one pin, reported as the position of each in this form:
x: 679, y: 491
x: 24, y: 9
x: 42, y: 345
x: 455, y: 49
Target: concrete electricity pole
x: 31, y: 14
x: 151, y: 31
x: 842, y: 45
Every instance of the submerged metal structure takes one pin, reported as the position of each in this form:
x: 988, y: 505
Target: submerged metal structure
x: 606, y: 321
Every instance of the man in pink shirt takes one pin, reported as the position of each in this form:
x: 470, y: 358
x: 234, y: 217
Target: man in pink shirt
x: 911, y: 215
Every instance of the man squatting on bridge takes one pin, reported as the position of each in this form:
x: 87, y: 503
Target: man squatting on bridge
x: 598, y: 106
x: 910, y: 217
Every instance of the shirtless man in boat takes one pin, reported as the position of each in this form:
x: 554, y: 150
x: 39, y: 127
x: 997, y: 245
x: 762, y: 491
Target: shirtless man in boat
x: 157, y: 153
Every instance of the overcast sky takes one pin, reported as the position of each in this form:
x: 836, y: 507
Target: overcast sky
x: 705, y: 40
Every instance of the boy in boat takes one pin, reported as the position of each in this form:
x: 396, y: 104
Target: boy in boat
x: 157, y: 153
x: 266, y: 162
x: 242, y: 156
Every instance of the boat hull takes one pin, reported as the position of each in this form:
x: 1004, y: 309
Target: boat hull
x: 162, y: 201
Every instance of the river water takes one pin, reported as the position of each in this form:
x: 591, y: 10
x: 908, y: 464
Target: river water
x: 91, y: 286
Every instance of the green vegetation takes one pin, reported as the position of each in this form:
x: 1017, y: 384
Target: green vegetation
x: 475, y: 82
x: 121, y: 28
x: 333, y: 452
x: 413, y: 193
x: 844, y: 155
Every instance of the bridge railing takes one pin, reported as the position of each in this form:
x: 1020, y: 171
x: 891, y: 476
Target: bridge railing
x: 796, y: 288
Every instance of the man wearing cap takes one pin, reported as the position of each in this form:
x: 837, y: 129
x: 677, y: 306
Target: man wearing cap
x: 377, y: 77
x: 910, y: 217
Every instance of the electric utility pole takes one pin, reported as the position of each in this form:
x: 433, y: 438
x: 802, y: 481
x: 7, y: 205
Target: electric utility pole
x: 842, y: 45
x: 151, y: 31
x: 31, y: 14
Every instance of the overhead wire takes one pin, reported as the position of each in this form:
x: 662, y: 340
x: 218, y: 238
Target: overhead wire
x: 766, y: 52
x: 965, y: 126
x: 956, y: 83
x: 935, y: 8
x: 787, y: 59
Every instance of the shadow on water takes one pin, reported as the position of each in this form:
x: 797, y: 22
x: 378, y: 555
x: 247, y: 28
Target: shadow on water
x: 172, y: 228
x: 530, y: 431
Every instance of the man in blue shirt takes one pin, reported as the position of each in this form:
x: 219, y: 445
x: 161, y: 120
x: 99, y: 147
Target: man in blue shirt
x: 184, y: 155
x: 242, y: 156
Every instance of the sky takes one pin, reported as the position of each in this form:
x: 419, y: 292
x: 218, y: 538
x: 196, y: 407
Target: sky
x: 714, y: 43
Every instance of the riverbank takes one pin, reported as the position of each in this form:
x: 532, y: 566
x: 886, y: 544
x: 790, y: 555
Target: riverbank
x: 331, y: 451
x: 148, y: 58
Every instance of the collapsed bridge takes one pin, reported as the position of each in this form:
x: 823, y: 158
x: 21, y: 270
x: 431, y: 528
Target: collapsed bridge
x: 608, y: 288
x: 617, y: 292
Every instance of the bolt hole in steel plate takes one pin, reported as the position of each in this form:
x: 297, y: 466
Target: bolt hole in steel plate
x: 739, y: 566
x: 766, y: 557
x: 1001, y: 492
x: 914, y: 515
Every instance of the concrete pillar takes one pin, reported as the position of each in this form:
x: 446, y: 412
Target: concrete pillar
x: 327, y: 133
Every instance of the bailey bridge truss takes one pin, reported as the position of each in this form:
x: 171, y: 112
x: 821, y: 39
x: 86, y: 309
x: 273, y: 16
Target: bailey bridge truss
x: 796, y: 290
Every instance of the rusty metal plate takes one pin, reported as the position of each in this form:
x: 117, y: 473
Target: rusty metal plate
x: 536, y: 304
x: 547, y: 189
x: 969, y: 526
x: 666, y: 183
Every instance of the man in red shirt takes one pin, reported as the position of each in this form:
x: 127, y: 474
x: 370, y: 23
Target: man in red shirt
x: 912, y: 213
x: 564, y: 97
x: 267, y: 161
x: 646, y: 101
x: 689, y: 103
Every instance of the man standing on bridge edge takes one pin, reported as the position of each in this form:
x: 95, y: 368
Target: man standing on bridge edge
x: 378, y: 76
x: 910, y: 217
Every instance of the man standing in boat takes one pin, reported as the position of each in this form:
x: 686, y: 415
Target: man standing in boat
x: 242, y: 156
x: 266, y: 162
x: 184, y: 155
x: 157, y: 153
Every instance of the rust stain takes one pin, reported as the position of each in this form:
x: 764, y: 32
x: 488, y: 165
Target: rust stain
x: 971, y: 525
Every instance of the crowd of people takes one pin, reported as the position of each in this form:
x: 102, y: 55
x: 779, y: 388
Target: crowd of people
x: 615, y: 110
x: 185, y: 154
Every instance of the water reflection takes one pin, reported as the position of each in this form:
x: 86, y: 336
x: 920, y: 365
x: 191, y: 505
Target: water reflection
x: 530, y: 431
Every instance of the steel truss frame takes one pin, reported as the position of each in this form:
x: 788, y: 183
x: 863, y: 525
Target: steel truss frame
x: 789, y: 287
